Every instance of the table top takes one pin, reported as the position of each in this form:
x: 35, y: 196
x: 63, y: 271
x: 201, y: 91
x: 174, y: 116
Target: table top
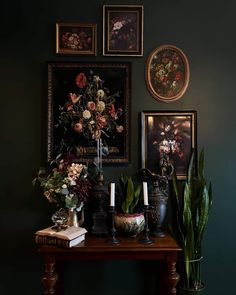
x: 129, y: 248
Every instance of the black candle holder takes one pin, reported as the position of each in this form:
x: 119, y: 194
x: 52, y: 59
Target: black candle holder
x: 146, y: 240
x: 113, y: 240
x: 100, y: 217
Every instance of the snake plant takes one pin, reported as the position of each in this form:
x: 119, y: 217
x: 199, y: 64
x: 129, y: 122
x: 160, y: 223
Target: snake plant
x: 193, y: 204
x: 130, y: 193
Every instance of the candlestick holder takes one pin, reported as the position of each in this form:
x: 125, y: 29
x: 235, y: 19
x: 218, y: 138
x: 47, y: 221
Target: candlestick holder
x: 100, y: 217
x: 146, y: 240
x: 113, y: 240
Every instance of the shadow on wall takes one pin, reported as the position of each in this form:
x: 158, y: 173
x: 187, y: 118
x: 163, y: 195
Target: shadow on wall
x: 21, y: 275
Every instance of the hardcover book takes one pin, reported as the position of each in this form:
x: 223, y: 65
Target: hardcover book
x: 67, y: 238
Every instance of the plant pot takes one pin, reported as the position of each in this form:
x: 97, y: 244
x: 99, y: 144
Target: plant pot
x: 190, y: 275
x: 129, y: 224
x: 184, y: 291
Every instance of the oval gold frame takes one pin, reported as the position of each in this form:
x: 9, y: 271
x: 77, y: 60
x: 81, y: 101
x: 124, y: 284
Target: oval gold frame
x: 149, y: 82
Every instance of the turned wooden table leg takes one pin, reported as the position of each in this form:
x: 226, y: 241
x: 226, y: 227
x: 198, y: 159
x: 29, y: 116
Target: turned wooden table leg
x: 172, y: 276
x: 50, y: 276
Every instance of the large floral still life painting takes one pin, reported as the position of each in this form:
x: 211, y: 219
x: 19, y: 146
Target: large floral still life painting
x: 89, y: 103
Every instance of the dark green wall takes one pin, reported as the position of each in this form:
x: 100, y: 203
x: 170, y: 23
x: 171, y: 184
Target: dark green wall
x: 205, y: 31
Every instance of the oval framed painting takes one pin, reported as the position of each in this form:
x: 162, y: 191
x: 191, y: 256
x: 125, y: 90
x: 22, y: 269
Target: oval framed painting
x: 167, y: 73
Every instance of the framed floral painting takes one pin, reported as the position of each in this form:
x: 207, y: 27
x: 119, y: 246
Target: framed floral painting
x: 170, y: 135
x: 89, y: 103
x: 123, y: 30
x: 167, y: 73
x: 76, y: 39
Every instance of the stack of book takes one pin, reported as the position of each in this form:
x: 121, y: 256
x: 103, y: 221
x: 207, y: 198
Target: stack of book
x: 67, y: 238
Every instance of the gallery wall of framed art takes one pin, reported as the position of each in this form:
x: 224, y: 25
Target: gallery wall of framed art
x: 167, y: 74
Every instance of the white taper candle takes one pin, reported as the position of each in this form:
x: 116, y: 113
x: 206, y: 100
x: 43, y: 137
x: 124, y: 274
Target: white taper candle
x: 145, y: 193
x: 112, y: 196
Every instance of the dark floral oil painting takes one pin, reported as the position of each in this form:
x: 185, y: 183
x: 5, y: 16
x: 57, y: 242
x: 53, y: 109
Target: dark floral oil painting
x: 123, y: 30
x: 89, y: 103
x: 168, y: 135
x: 76, y: 39
x: 167, y: 73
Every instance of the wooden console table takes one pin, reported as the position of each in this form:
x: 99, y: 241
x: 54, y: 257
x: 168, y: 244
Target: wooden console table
x: 94, y: 248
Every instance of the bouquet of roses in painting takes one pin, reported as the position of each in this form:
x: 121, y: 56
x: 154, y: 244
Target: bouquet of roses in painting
x: 90, y: 112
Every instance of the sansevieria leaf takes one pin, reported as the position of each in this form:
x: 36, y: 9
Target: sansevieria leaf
x: 137, y: 192
x: 130, y: 192
x: 192, y: 214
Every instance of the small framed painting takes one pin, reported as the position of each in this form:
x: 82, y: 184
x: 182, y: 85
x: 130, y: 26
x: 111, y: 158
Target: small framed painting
x: 123, y: 30
x: 76, y: 39
x: 169, y: 134
x: 167, y: 73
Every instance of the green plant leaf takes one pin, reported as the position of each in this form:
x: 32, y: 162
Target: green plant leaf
x: 189, y: 244
x: 129, y: 195
x: 137, y: 192
x: 191, y: 169
x: 210, y: 196
x: 124, y: 207
x: 187, y: 207
x: 201, y: 167
x: 123, y: 183
x: 191, y: 224
x: 178, y: 232
x: 176, y: 188
x: 203, y: 215
x: 71, y: 201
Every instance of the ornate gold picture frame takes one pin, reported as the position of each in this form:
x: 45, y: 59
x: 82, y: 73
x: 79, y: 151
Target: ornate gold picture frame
x: 167, y: 73
x: 76, y: 39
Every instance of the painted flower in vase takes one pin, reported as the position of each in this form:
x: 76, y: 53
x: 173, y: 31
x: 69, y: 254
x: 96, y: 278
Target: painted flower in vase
x: 66, y: 184
x: 90, y: 112
x: 171, y: 139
